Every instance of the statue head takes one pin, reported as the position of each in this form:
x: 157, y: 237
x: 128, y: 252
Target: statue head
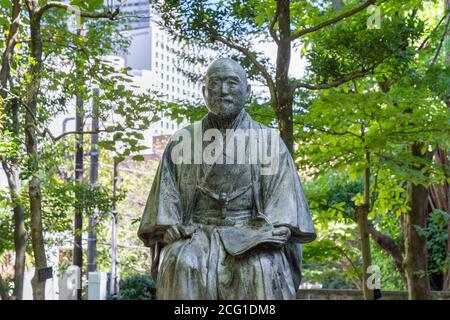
x: 226, y: 90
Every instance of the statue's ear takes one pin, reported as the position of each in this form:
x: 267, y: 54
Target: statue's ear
x: 249, y: 92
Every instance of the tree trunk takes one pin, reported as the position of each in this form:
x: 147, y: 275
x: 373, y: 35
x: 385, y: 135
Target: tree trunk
x: 116, y: 179
x: 34, y: 184
x: 416, y: 257
x: 79, y: 177
x: 11, y: 42
x: 20, y: 234
x: 362, y: 213
x: 362, y: 221
x: 446, y: 279
x: 444, y: 159
x: 11, y: 169
x: 284, y: 95
x: 93, y: 176
x: 439, y: 198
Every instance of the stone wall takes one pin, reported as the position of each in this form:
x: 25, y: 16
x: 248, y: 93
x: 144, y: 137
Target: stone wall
x: 350, y: 294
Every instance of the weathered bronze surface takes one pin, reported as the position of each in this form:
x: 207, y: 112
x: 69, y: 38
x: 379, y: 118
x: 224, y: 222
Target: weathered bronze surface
x: 226, y: 229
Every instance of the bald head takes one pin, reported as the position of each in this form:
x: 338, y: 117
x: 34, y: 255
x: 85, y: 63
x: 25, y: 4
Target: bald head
x: 226, y: 63
x: 226, y: 90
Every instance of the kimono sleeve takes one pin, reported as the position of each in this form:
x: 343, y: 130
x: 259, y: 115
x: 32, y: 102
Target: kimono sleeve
x: 163, y: 207
x: 284, y: 201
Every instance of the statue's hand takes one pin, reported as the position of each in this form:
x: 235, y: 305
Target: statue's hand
x: 281, y: 234
x: 177, y: 232
x: 172, y: 234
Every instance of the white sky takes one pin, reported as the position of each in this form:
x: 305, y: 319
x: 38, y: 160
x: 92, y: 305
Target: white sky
x: 298, y: 64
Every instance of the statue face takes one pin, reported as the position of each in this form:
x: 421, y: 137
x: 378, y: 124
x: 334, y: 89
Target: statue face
x: 226, y: 90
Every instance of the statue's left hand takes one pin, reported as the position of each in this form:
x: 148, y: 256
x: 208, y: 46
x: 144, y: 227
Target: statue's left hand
x: 283, y: 232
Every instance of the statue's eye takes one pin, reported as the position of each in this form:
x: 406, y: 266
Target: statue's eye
x: 214, y: 83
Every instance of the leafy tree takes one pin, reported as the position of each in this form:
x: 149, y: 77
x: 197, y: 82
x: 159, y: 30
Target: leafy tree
x: 390, y: 122
x: 233, y: 26
x: 340, y: 53
x: 37, y: 90
x: 137, y: 287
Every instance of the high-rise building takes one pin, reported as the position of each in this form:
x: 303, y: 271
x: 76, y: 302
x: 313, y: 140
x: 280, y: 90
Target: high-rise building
x: 152, y: 57
x: 136, y: 23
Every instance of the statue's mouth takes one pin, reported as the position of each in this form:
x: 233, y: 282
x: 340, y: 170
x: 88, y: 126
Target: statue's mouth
x: 229, y: 100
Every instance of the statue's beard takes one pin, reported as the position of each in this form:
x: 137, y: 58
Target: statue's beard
x: 224, y: 120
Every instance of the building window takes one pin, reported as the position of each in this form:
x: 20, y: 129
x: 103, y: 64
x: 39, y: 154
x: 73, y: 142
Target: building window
x: 167, y: 77
x: 156, y: 64
x: 173, y: 126
x: 173, y: 88
x: 167, y: 68
x: 162, y: 85
x: 167, y: 125
x: 162, y: 124
x: 162, y: 56
x: 156, y: 54
x: 162, y: 76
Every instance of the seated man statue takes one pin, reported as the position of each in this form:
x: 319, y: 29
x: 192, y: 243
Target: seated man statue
x: 221, y: 220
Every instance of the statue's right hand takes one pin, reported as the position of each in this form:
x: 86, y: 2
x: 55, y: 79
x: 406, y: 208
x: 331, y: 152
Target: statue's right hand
x: 172, y: 234
x: 278, y: 235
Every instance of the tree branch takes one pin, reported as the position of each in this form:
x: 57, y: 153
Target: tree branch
x: 298, y: 84
x: 272, y: 24
x: 355, y: 268
x: 422, y: 46
x: 331, y: 21
x: 388, y: 245
x: 441, y: 42
x: 10, y: 45
x: 55, y: 139
x: 250, y: 55
x: 94, y: 15
x: 331, y: 132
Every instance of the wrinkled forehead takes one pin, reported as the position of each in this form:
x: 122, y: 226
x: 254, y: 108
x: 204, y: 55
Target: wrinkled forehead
x: 226, y: 69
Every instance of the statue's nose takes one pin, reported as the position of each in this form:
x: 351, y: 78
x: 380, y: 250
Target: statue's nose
x: 225, y: 88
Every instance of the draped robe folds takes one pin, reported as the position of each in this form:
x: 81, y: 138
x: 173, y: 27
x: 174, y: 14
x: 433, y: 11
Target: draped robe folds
x: 226, y: 261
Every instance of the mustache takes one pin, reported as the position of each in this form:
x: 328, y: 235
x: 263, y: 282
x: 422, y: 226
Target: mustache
x: 225, y: 98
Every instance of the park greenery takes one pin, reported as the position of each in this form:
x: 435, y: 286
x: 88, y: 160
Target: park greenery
x: 367, y: 125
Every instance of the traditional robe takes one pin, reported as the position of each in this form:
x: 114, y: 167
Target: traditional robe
x: 224, y: 254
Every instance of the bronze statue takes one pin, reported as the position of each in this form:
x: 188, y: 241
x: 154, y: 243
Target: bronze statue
x: 220, y: 228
